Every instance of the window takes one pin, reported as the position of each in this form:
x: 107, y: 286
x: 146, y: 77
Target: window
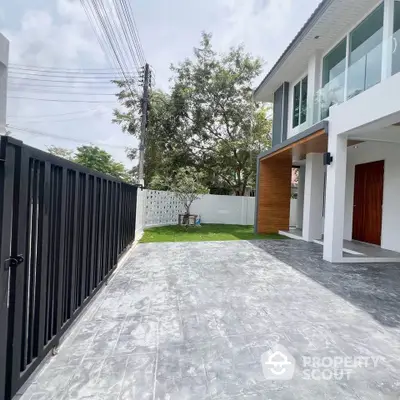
x: 365, y: 57
x: 300, y: 102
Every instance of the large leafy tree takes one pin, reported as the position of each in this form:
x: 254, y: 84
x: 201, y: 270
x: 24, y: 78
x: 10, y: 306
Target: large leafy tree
x: 209, y: 120
x: 165, y: 152
x: 95, y: 158
x: 226, y: 129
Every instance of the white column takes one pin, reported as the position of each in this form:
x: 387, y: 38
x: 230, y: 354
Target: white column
x: 314, y: 82
x: 300, y: 197
x: 4, y: 49
x: 313, y: 197
x: 388, y: 43
x: 335, y: 198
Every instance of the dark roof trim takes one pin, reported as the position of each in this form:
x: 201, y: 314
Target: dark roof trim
x: 295, y: 42
x: 315, y: 128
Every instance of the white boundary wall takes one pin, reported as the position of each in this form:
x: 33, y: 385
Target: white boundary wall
x: 158, y: 208
x: 231, y: 210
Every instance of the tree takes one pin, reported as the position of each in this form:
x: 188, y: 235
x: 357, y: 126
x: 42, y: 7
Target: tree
x: 62, y: 152
x: 209, y: 121
x: 95, y: 158
x: 165, y: 152
x: 186, y: 185
x: 225, y: 128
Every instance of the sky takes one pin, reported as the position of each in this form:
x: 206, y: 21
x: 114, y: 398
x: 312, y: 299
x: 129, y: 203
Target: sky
x: 56, y: 33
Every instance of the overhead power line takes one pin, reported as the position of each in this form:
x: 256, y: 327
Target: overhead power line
x: 45, y: 71
x: 86, y: 85
x: 60, y: 101
x: 54, y: 115
x: 113, y: 24
x: 51, y: 121
x: 61, y: 93
x: 63, y: 80
x: 70, y: 139
x: 41, y: 67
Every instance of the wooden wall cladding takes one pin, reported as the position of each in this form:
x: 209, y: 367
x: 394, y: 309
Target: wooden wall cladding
x: 274, y: 192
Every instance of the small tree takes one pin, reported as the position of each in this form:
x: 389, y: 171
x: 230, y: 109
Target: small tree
x: 186, y: 184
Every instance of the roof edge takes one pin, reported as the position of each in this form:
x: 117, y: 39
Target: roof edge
x: 319, y: 11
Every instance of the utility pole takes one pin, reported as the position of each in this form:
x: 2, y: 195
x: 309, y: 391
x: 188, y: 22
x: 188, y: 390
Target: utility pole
x: 145, y: 104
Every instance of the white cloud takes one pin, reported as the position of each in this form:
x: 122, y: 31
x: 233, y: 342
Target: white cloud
x: 63, y: 40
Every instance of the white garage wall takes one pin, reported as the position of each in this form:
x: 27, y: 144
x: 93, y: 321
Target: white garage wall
x: 369, y: 152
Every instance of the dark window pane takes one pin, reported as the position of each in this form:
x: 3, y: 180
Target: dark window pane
x: 303, y: 114
x: 334, y: 63
x: 296, y: 105
x: 365, y: 61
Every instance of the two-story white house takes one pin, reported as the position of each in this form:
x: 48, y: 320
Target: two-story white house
x: 4, y: 50
x: 336, y: 95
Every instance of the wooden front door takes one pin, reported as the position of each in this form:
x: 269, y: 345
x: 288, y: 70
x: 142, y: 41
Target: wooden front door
x: 368, y: 199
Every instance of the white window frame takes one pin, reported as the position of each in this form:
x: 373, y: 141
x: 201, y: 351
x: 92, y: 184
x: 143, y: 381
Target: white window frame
x: 300, y: 81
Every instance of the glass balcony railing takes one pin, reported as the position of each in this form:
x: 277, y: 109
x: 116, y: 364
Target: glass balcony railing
x: 363, y: 74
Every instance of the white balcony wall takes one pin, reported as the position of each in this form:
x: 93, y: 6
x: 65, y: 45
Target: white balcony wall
x: 377, y: 106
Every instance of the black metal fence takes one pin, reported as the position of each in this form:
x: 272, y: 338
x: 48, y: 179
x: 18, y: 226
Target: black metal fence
x: 63, y: 228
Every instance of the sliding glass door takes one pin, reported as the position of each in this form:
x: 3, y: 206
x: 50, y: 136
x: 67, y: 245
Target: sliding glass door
x: 365, y: 57
x: 333, y: 78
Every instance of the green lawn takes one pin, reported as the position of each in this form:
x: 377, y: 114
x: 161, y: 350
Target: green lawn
x: 203, y: 233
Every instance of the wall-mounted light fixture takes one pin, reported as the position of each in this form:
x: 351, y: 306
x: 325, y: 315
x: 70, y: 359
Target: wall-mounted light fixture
x: 328, y: 159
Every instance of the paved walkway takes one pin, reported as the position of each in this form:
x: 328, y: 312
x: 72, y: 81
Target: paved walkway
x: 191, y: 321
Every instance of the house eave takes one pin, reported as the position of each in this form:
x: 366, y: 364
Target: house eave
x: 323, y: 125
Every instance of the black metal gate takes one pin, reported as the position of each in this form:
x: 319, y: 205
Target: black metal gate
x: 63, y: 228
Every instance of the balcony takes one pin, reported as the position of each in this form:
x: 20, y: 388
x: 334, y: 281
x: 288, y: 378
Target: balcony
x: 377, y: 65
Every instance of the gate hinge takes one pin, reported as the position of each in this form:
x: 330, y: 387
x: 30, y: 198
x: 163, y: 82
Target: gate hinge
x: 13, y: 262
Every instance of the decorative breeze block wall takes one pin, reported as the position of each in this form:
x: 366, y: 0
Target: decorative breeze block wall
x: 162, y: 208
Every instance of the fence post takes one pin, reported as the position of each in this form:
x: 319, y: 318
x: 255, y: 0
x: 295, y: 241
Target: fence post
x: 7, y: 164
x: 18, y: 277
x: 84, y: 259
x: 61, y: 255
x: 44, y: 199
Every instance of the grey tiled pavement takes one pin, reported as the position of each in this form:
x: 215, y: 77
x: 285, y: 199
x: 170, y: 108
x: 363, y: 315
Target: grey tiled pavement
x: 191, y: 320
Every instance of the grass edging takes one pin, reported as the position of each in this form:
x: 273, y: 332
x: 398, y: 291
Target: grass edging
x: 204, y: 233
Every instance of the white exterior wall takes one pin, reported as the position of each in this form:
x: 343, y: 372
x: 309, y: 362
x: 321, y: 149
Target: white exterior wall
x: 158, y: 208
x: 233, y: 210
x: 382, y: 102
x: 313, y: 197
x: 4, y: 50
x: 370, y: 152
x: 294, y: 212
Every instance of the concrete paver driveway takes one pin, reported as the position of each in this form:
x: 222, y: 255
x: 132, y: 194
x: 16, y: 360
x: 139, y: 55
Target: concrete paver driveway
x: 192, y: 321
